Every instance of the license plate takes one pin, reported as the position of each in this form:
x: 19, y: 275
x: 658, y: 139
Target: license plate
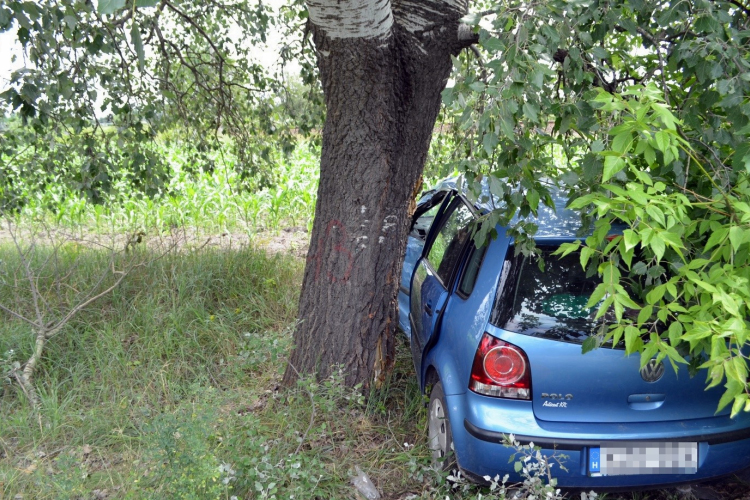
x: 644, y: 457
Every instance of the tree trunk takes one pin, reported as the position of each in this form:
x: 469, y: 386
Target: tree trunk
x: 382, y: 96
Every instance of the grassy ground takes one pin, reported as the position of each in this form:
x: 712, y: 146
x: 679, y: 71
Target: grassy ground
x: 169, y: 386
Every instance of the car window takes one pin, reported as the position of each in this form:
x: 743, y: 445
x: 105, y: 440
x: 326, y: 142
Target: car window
x: 549, y: 303
x: 449, y: 242
x: 471, y: 271
x: 425, y: 214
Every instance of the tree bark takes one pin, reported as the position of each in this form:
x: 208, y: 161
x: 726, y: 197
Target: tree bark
x: 382, y: 97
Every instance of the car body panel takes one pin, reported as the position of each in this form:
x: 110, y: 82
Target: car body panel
x: 414, y: 248
x: 605, y: 385
x: 466, y: 333
x: 575, y: 440
x: 428, y: 297
x: 483, y: 457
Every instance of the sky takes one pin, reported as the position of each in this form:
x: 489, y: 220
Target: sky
x: 8, y: 47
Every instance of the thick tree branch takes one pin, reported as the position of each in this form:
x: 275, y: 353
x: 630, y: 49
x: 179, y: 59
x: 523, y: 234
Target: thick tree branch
x: 466, y: 36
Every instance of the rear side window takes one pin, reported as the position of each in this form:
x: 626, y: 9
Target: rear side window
x: 549, y: 303
x: 469, y: 278
x: 446, y: 249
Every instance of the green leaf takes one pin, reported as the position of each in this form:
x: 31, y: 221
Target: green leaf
x: 706, y: 286
x: 739, y: 404
x: 506, y: 126
x: 531, y: 111
x: 631, y: 334
x: 662, y: 140
x: 146, y: 3
x: 477, y: 86
x: 612, y: 165
x: 598, y: 294
x: 586, y: 253
x: 741, y: 159
x: 645, y: 314
x: 567, y: 248
x: 589, y: 344
x: 537, y: 79
x: 532, y: 196
x: 110, y: 6
x: 727, y: 301
x: 733, y: 389
x: 657, y: 245
x: 135, y: 37
x: 631, y: 239
x: 642, y: 176
x: 675, y: 333
x: 736, y: 237
x: 492, y: 44
x: 489, y: 142
x: 656, y: 294
x: 716, y: 237
x: 655, y: 213
x: 70, y: 21
x: 622, y: 141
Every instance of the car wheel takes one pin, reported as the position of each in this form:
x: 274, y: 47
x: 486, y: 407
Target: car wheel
x: 440, y: 438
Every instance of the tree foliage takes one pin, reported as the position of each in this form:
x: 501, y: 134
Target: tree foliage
x: 101, y: 81
x: 638, y: 109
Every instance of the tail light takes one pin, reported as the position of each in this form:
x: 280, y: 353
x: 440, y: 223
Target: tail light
x: 501, y: 370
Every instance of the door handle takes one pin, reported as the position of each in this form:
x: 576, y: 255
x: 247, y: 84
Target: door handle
x: 428, y: 308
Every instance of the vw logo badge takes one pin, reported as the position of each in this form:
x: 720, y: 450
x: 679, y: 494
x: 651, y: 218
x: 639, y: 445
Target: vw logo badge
x: 653, y: 371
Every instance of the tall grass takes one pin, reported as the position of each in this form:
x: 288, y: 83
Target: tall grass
x: 169, y: 387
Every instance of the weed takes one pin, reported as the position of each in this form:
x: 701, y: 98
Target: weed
x: 9, y: 365
x: 180, y: 457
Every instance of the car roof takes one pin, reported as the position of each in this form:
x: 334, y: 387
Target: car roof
x: 561, y: 222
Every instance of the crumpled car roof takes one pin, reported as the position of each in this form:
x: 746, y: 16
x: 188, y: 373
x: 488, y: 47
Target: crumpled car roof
x: 559, y: 223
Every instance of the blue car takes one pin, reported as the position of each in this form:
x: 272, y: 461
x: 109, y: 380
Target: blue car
x: 497, y: 343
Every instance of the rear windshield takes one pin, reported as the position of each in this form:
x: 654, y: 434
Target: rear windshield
x: 549, y: 303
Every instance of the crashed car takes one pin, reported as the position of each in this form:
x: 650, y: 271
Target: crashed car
x: 496, y: 342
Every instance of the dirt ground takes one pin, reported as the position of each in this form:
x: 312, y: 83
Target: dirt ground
x: 292, y: 240
x: 728, y: 488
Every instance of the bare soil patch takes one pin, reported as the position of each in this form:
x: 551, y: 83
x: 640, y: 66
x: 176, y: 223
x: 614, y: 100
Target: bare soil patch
x: 291, y: 240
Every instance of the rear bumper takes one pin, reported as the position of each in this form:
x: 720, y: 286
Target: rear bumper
x: 579, y: 444
x: 723, y: 444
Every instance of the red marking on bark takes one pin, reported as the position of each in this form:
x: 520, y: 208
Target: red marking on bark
x: 338, y: 248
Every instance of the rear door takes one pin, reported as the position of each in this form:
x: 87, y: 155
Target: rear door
x: 435, y: 271
x: 544, y: 313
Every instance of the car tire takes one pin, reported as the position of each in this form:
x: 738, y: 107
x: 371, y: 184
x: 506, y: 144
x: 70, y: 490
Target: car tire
x: 439, y: 435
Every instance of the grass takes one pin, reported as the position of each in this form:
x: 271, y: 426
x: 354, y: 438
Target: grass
x: 169, y: 387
